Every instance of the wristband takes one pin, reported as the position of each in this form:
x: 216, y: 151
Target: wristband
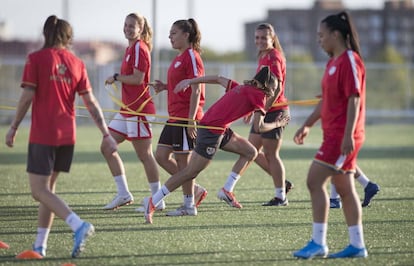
x: 105, y: 135
x: 115, y: 76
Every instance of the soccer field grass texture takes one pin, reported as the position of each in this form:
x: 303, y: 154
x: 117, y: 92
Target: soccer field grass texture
x: 219, y: 235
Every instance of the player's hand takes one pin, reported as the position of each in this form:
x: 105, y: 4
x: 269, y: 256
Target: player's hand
x: 248, y: 118
x: 11, y: 137
x: 282, y: 120
x: 182, y: 85
x: 347, y: 146
x: 300, y: 135
x: 158, y: 86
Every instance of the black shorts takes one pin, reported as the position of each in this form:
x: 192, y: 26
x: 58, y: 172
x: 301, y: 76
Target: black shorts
x: 45, y: 159
x: 207, y: 142
x: 176, y: 137
x: 275, y: 133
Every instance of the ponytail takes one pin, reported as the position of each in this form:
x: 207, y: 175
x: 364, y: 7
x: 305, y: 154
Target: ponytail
x: 190, y: 26
x: 342, y: 23
x: 146, y: 31
x: 57, y: 32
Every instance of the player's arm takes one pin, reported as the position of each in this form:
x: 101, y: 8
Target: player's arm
x: 213, y: 79
x: 351, y: 120
x: 260, y: 126
x: 22, y: 107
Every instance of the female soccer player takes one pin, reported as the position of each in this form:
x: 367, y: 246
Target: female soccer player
x: 342, y: 114
x: 255, y: 95
x: 134, y: 76
x: 177, y: 139
x: 52, y: 76
x: 271, y: 54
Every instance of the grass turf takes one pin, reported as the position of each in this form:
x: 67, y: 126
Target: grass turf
x: 219, y: 235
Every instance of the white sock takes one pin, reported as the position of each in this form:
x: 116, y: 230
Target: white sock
x: 121, y: 184
x: 231, y: 181
x: 155, y: 186
x: 319, y: 232
x: 160, y: 195
x: 363, y: 180
x: 74, y: 221
x: 280, y: 193
x: 356, y: 236
x: 188, y: 201
x: 334, y: 194
x: 41, y: 237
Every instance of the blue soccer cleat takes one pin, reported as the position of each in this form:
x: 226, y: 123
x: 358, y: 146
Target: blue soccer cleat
x: 312, y: 250
x: 335, y: 203
x: 40, y: 250
x: 370, y: 191
x: 350, y: 252
x: 79, y: 238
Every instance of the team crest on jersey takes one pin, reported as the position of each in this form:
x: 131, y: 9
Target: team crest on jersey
x: 61, y: 69
x: 332, y: 70
x: 210, y: 150
x: 177, y: 64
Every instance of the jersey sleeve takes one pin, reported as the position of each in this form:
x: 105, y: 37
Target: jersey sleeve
x: 352, y: 76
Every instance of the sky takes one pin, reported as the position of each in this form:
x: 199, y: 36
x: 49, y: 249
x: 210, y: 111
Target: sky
x: 221, y: 22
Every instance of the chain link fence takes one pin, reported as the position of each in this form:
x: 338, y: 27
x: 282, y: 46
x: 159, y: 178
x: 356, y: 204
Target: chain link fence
x: 389, y: 87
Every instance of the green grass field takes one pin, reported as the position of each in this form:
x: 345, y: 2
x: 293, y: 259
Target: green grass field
x: 219, y: 235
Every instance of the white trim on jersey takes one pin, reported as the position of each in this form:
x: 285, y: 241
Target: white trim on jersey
x: 136, y: 54
x: 193, y: 62
x: 354, y: 68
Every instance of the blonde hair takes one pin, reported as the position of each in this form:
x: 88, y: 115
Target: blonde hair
x: 146, y: 34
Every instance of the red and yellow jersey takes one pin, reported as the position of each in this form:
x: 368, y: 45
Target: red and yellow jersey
x: 277, y: 64
x: 56, y: 75
x: 344, y: 76
x: 135, y: 97
x: 185, y: 66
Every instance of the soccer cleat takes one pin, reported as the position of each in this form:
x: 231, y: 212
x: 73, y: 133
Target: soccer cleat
x: 40, y: 250
x: 79, y: 238
x: 335, y: 203
x: 200, y: 194
x: 288, y: 186
x: 370, y: 191
x: 149, y: 209
x: 312, y: 250
x: 119, y: 201
x: 183, y: 211
x: 276, y: 202
x: 350, y: 252
x: 229, y: 198
x: 160, y: 207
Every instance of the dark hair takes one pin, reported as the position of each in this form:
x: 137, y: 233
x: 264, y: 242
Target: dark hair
x: 190, y: 26
x: 146, y: 34
x: 263, y: 80
x: 342, y: 23
x: 57, y: 32
x: 276, y: 43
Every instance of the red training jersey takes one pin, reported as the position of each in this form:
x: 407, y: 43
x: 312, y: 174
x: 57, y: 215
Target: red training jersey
x: 56, y: 76
x: 275, y: 60
x: 185, y: 66
x: 343, y: 77
x: 237, y: 102
x: 135, y: 97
